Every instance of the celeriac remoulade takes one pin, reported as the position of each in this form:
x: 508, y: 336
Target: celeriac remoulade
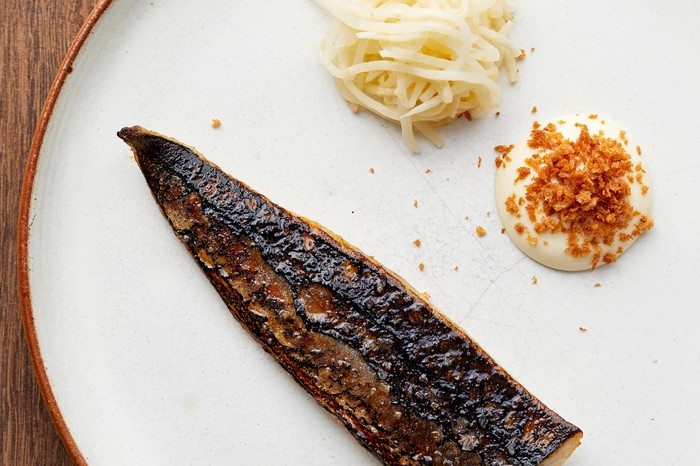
x: 575, y: 194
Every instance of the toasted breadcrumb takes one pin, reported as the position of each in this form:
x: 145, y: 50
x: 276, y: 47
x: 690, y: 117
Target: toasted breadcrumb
x: 534, y: 109
x: 498, y: 114
x: 428, y: 170
x: 532, y: 239
x: 421, y: 266
x: 592, y: 116
x: 523, y: 172
x: 583, y: 329
x: 639, y: 150
x: 371, y: 170
x: 532, y: 49
x: 503, y: 231
x: 480, y: 231
x: 488, y: 214
x: 503, y: 152
x: 534, y: 279
x: 645, y: 223
x: 522, y: 55
x: 215, y: 122
x: 417, y: 243
x: 597, y: 285
x: 478, y: 165
x: 456, y: 268
x: 623, y: 136
x: 415, y: 204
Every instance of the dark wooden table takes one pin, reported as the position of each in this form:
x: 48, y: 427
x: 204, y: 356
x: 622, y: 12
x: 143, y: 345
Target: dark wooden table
x: 34, y: 37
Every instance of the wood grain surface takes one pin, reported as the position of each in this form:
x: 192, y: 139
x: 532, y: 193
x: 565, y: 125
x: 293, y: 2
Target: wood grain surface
x: 34, y: 37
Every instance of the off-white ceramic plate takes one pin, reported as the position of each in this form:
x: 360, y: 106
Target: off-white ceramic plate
x: 141, y: 362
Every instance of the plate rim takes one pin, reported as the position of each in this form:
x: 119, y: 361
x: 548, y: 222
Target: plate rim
x: 23, y: 226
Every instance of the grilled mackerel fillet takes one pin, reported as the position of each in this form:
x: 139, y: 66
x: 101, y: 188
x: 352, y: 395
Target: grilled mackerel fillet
x: 409, y: 384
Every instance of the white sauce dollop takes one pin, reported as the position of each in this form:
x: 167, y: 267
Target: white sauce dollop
x: 549, y: 248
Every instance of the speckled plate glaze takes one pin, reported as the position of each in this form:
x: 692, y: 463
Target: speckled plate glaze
x: 141, y: 363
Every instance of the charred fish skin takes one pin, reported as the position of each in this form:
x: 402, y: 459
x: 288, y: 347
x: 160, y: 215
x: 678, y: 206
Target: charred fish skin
x: 411, y: 386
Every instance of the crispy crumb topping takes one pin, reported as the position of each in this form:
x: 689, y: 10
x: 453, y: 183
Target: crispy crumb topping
x: 503, y: 152
x: 532, y: 239
x: 623, y: 136
x: 578, y: 187
x: 480, y: 231
x: 215, y: 122
x: 523, y: 172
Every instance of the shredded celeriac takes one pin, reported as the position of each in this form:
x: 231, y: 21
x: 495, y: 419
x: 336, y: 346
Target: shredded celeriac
x: 420, y: 63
